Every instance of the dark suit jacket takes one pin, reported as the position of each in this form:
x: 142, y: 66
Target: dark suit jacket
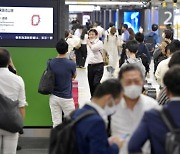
x: 91, y: 135
x: 153, y: 128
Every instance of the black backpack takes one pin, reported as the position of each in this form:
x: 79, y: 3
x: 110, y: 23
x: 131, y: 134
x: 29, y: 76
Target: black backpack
x: 173, y: 136
x: 63, y: 137
x: 46, y: 85
x: 144, y: 58
x: 149, y: 42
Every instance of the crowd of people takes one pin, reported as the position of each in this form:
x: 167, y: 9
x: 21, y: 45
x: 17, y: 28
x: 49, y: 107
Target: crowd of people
x: 126, y: 120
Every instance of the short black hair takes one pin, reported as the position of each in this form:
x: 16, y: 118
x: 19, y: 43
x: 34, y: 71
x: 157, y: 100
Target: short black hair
x: 168, y: 33
x: 129, y: 67
x: 172, y: 80
x: 62, y: 46
x: 111, y: 24
x: 139, y: 37
x: 125, y: 26
x: 81, y: 27
x: 173, y: 46
x: 4, y: 57
x: 132, y: 46
x: 93, y: 30
x: 155, y: 27
x: 175, y: 59
x: 111, y: 86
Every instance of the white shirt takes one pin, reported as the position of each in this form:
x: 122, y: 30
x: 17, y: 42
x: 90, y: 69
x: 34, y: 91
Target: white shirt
x: 78, y: 32
x: 94, y: 54
x: 125, y: 121
x: 162, y: 68
x: 72, y: 43
x: 100, y: 111
x: 100, y: 31
x: 85, y: 39
x: 111, y: 43
x: 12, y: 86
x: 175, y: 99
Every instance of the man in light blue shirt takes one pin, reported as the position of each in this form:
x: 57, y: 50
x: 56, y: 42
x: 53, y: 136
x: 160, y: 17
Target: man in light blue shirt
x: 125, y: 35
x: 152, y: 38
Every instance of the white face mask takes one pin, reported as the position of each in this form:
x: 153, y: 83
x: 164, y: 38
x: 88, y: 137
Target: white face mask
x: 133, y: 91
x: 110, y: 110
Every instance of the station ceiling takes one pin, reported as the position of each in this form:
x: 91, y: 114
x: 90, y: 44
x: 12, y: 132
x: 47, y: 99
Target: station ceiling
x: 118, y: 0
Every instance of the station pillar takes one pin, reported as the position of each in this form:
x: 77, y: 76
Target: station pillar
x: 61, y: 18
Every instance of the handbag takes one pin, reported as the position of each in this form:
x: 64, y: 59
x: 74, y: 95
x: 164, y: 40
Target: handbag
x: 46, y: 85
x: 105, y: 57
x: 10, y: 116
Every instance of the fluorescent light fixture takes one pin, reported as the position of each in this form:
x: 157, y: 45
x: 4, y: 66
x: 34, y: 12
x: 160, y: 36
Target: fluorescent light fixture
x: 102, y: 3
x: 83, y: 8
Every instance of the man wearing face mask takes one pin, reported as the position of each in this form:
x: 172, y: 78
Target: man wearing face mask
x: 91, y: 132
x: 152, y: 126
x: 133, y: 105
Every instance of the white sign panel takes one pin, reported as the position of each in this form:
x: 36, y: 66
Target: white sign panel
x: 26, y: 20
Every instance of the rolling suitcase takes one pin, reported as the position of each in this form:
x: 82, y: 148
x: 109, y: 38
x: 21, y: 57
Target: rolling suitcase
x: 150, y: 90
x: 75, y: 93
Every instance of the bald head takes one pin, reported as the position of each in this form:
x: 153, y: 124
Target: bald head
x: 4, y: 57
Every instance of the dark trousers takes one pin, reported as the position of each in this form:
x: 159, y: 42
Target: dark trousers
x: 95, y: 73
x: 81, y: 55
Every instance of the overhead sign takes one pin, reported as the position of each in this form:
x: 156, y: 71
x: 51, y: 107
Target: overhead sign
x: 26, y: 20
x: 165, y: 17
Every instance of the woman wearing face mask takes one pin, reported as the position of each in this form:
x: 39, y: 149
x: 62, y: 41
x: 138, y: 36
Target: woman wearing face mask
x: 94, y: 59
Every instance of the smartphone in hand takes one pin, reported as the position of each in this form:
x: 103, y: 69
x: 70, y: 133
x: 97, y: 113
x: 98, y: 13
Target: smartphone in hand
x: 123, y: 137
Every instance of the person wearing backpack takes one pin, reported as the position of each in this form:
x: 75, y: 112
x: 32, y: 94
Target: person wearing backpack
x: 152, y: 126
x: 143, y: 51
x: 152, y: 39
x: 131, y: 51
x: 84, y: 131
x: 91, y: 134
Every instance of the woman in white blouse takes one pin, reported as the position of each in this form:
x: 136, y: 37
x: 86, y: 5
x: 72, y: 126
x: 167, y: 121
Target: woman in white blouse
x: 111, y: 44
x: 95, y: 60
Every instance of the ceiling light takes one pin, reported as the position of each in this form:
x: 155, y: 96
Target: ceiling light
x: 103, y: 3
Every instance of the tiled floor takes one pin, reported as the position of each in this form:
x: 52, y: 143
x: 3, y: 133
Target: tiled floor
x: 32, y: 145
x: 84, y: 94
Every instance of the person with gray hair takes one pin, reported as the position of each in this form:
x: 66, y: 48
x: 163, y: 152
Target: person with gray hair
x: 133, y: 104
